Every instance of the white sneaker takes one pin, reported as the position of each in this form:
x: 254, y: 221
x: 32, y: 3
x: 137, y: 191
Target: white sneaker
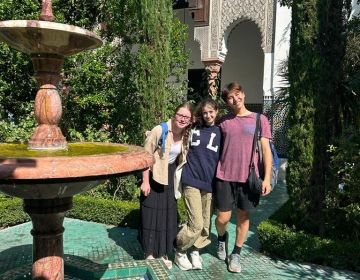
x: 196, y: 260
x: 182, y: 261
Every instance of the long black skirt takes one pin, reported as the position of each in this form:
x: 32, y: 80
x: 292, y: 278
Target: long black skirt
x: 158, y: 229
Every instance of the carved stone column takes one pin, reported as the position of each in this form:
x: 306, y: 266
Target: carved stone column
x: 213, y: 68
x: 48, y: 109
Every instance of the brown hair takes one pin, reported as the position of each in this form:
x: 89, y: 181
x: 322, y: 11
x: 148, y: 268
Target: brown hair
x: 198, y: 113
x: 230, y: 87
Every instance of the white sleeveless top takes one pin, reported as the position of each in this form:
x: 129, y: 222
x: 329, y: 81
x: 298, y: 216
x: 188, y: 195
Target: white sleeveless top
x: 175, y: 150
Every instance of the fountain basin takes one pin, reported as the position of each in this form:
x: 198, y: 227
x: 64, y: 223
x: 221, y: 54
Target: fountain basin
x: 36, y: 36
x: 57, y: 174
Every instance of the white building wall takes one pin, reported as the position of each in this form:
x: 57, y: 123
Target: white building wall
x: 191, y: 44
x: 355, y: 8
x: 281, y: 45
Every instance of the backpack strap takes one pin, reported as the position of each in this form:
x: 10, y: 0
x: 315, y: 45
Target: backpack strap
x: 257, y: 127
x: 258, y: 143
x: 164, y: 133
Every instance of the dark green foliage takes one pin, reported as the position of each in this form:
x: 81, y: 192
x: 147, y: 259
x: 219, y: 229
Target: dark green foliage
x: 121, y: 188
x: 350, y: 99
x: 89, y: 88
x: 119, y: 213
x: 343, y: 200
x: 316, y: 98
x: 17, y: 88
x: 301, y: 104
x: 106, y: 211
x: 287, y: 243
x: 95, y: 209
x: 19, y: 9
x: 285, y: 2
x: 11, y: 212
x: 156, y: 31
x: 80, y: 13
x: 154, y: 58
x: 113, y: 93
x: 181, y: 211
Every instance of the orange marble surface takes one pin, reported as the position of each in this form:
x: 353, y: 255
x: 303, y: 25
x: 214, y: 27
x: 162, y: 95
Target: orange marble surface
x: 36, y: 36
x: 57, y: 167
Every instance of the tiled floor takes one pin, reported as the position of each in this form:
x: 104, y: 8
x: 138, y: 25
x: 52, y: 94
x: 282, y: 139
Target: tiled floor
x: 97, y: 251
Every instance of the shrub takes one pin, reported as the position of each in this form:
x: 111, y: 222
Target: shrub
x: 283, y: 241
x: 11, y: 212
x: 343, y: 198
x: 181, y: 211
x: 118, y: 213
x: 119, y: 188
x: 95, y: 209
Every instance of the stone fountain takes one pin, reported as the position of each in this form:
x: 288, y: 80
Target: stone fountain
x: 49, y: 171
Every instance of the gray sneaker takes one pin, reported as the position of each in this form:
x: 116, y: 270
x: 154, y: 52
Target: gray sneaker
x: 234, y: 263
x: 222, y: 250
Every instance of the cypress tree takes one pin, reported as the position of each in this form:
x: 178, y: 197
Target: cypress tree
x: 154, y: 60
x: 315, y: 74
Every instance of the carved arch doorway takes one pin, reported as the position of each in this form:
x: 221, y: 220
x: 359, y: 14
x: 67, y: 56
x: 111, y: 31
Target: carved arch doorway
x: 244, y: 61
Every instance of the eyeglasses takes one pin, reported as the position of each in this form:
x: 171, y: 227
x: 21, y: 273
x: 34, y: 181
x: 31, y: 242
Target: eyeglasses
x: 186, y: 118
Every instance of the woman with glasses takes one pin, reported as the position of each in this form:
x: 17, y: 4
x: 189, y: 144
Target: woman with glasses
x: 157, y: 203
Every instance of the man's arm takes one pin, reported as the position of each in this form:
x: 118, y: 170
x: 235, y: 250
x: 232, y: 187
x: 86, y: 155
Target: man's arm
x: 267, y: 159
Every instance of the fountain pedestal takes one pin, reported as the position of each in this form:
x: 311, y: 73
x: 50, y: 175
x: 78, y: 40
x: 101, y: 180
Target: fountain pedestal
x: 47, y: 217
x: 48, y: 109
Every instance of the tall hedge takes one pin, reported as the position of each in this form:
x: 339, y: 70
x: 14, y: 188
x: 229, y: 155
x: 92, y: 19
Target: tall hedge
x: 317, y: 49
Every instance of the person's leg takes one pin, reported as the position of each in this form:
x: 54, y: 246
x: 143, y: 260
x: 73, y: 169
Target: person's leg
x: 224, y: 202
x: 203, y: 240
x: 169, y: 219
x: 206, y: 202
x: 148, y: 227
x: 246, y: 202
x: 222, y: 219
x: 242, y: 226
x: 192, y: 229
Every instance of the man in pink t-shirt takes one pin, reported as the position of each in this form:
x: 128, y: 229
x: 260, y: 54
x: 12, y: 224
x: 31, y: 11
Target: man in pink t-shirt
x: 232, y: 190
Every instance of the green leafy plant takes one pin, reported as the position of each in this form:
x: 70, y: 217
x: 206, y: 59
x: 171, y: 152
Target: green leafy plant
x: 285, y: 242
x: 316, y: 103
x: 113, y: 93
x: 86, y: 207
x: 343, y: 200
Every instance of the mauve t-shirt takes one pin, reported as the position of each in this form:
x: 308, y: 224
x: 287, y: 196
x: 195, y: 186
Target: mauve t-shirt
x: 237, y: 135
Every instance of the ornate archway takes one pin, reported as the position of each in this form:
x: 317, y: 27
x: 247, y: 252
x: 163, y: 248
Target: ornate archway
x: 211, y: 32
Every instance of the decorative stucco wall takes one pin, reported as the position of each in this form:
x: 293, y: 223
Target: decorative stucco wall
x: 224, y: 15
x: 259, y: 11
